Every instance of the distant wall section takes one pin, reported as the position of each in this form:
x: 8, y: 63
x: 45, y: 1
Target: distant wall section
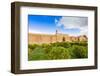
x: 45, y: 38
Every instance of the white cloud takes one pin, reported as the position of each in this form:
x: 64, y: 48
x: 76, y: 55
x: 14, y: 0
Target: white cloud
x: 80, y: 23
x: 39, y: 32
x: 34, y: 31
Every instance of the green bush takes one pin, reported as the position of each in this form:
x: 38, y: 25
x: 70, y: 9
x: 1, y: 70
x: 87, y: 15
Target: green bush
x: 58, y: 50
x: 32, y: 46
x: 59, y: 53
x: 78, y: 51
x: 63, y: 44
x: 79, y: 43
x: 37, y: 54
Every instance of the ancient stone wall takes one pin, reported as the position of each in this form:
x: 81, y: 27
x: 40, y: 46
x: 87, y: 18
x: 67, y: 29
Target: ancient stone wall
x: 45, y: 38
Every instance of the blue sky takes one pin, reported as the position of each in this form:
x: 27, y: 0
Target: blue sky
x: 48, y: 24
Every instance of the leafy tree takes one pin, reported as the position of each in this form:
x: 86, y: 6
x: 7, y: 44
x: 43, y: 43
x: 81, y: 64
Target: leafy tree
x: 78, y: 51
x: 37, y: 54
x: 58, y: 50
x: 32, y: 46
x: 59, y: 53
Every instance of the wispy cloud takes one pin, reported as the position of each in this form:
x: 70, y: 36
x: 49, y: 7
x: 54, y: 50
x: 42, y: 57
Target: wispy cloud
x: 39, y: 31
x: 34, y: 31
x: 80, y: 23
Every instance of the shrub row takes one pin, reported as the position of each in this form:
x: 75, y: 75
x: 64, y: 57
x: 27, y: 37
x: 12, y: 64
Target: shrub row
x: 58, y: 50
